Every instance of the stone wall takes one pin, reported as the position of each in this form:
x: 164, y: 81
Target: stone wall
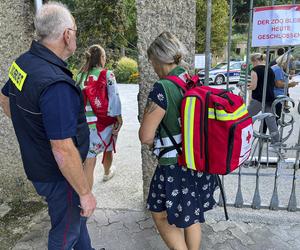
x: 153, y: 17
x: 16, y: 32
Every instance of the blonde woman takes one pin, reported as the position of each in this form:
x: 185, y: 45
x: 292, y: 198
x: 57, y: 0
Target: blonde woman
x: 178, y: 197
x: 256, y: 86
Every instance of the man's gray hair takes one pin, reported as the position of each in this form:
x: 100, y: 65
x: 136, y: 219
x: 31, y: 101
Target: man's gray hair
x: 51, y: 20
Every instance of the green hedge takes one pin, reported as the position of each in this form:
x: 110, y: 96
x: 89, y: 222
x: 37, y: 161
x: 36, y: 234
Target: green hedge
x: 127, y: 71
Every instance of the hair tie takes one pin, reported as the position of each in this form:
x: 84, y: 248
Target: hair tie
x: 177, y: 58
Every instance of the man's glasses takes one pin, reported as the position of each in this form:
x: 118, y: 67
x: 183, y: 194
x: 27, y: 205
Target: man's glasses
x: 75, y: 30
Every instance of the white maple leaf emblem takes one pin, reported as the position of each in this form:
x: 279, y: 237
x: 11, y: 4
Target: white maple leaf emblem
x: 97, y: 102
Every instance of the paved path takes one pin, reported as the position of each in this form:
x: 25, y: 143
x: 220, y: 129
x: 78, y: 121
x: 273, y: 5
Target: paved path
x: 120, y: 223
x: 126, y: 230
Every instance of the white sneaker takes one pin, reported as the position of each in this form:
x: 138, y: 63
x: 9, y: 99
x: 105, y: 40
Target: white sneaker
x: 107, y: 177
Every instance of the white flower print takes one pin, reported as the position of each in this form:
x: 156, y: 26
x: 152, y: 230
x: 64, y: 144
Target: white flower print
x: 199, y: 174
x: 193, y: 194
x: 188, y: 203
x: 161, y: 177
x: 185, y: 190
x: 175, y: 192
x: 170, y: 179
x: 207, y: 177
x: 176, y: 215
x: 154, y: 206
x: 172, y: 166
x: 196, y: 221
x: 183, y: 179
x: 184, y: 169
x: 205, y: 187
x: 206, y: 204
x: 187, y: 218
x: 207, y: 196
x: 159, y: 201
x: 169, y: 204
x: 160, y: 97
x: 155, y: 178
x: 179, y: 207
x: 153, y: 195
x: 159, y: 186
x: 197, y: 211
x: 192, y: 173
x: 147, y: 206
x: 163, y: 195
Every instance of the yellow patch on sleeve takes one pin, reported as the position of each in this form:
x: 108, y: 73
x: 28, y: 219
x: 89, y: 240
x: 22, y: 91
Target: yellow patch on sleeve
x: 17, y: 76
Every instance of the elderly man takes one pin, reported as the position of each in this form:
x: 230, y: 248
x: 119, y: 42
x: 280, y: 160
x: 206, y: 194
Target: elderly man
x: 49, y: 121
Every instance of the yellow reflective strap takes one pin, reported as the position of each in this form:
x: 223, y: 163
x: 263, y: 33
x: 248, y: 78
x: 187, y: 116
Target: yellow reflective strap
x: 186, y: 129
x: 189, y: 131
x: 17, y: 76
x: 192, y: 119
x: 222, y: 115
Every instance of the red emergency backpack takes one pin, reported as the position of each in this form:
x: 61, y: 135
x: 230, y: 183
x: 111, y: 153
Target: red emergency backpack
x: 95, y: 92
x: 216, y: 129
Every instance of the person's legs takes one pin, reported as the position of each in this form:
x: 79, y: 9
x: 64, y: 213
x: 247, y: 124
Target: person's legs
x: 89, y: 166
x: 254, y: 107
x: 107, y: 162
x: 172, y: 235
x: 67, y: 229
x: 192, y: 236
x: 272, y: 126
x: 84, y: 237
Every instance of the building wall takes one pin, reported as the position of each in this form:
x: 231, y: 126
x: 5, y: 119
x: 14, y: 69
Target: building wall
x: 153, y: 17
x: 16, y: 32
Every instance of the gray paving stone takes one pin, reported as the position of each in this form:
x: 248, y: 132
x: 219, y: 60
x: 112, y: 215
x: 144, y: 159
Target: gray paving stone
x: 222, y: 226
x: 239, y: 234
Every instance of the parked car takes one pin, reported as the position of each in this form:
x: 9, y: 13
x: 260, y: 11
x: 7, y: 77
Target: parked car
x: 218, y: 74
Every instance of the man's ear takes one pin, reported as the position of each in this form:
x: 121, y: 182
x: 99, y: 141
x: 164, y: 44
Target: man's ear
x: 66, y: 37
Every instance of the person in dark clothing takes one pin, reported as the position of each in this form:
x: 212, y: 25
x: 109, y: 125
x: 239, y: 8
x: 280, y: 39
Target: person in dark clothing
x: 48, y: 116
x: 256, y: 85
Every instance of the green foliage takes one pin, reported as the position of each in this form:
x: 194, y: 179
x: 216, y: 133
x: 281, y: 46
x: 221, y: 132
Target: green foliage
x: 219, y: 26
x: 127, y: 70
x: 108, y: 23
x: 241, y: 9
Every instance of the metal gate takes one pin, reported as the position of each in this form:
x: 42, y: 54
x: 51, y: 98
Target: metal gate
x: 269, y: 179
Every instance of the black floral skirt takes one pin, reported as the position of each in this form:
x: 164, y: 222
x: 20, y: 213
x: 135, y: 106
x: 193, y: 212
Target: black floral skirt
x: 183, y: 193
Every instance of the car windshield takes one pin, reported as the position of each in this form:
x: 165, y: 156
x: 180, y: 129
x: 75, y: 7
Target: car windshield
x: 221, y: 66
x: 224, y: 66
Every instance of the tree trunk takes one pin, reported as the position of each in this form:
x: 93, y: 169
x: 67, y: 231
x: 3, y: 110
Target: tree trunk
x: 154, y: 17
x: 16, y: 33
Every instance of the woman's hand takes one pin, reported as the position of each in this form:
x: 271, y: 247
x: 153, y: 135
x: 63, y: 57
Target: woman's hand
x: 292, y: 84
x: 117, y: 126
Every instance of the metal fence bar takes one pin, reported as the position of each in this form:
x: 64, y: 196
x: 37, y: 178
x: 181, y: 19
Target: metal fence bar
x: 229, y: 42
x: 248, y: 49
x: 258, y: 148
x: 207, y: 42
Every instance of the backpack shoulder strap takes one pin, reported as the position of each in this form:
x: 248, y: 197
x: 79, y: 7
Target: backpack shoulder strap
x: 177, y: 81
x: 102, y: 75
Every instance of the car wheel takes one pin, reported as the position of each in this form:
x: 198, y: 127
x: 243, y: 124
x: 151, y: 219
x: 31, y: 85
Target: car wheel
x: 219, y: 79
